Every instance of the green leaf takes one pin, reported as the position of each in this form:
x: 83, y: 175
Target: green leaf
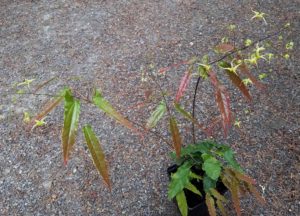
x: 179, y: 180
x: 106, y: 107
x: 156, y: 115
x: 229, y: 157
x: 208, y: 183
x: 195, y: 176
x: 71, y: 118
x: 212, y: 168
x: 182, y: 204
x: 193, y: 188
x: 97, y: 153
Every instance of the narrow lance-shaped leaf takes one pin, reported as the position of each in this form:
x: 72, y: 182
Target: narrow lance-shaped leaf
x: 255, y: 192
x: 231, y: 183
x: 106, y: 107
x: 224, y: 48
x: 71, y: 118
x: 221, y: 208
x: 245, y: 70
x: 236, y: 199
x: 176, y: 136
x: 97, y: 153
x: 238, y: 82
x: 244, y: 177
x: 223, y: 101
x: 217, y: 195
x: 183, y: 84
x: 48, y: 108
x: 188, y: 116
x: 182, y: 204
x: 156, y: 115
x: 210, y: 203
x: 43, y: 84
x: 193, y: 188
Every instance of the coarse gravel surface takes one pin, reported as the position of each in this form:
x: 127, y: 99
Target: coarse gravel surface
x: 110, y: 45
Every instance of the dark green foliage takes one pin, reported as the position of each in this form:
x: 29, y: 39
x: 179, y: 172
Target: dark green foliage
x: 217, y: 163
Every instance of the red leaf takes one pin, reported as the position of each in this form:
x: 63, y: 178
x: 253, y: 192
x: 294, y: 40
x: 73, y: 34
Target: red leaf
x: 183, y: 84
x: 224, y: 48
x: 245, y: 70
x: 223, y: 101
x: 237, y: 81
x: 165, y: 69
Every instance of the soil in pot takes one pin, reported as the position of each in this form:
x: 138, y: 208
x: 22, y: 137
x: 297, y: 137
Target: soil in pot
x: 196, y: 204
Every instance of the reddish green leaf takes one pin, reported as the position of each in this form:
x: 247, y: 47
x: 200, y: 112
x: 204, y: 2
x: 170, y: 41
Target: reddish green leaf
x: 224, y: 48
x: 245, y: 70
x: 47, y: 109
x: 176, y: 136
x: 221, y: 208
x: 237, y: 81
x: 188, y: 116
x: 97, y: 153
x: 244, y: 177
x: 44, y: 84
x: 236, y: 199
x: 210, y: 203
x: 257, y: 195
x: 106, y: 107
x: 222, y: 100
x: 165, y: 69
x: 71, y: 118
x: 156, y: 115
x: 183, y: 84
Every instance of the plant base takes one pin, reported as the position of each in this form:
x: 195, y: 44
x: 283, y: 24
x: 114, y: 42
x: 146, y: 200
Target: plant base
x: 196, y: 203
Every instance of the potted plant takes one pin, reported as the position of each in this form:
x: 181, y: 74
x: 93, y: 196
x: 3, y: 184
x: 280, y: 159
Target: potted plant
x: 204, y: 170
x: 202, y: 174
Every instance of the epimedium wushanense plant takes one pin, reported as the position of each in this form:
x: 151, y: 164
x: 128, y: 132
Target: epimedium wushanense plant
x: 215, y: 162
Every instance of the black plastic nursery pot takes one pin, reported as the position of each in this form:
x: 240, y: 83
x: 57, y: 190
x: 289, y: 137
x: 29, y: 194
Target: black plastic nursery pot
x: 196, y: 204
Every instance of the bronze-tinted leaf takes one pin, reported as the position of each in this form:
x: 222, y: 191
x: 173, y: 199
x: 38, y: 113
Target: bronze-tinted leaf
x: 235, y: 198
x: 175, y: 65
x: 183, y: 84
x: 224, y: 48
x: 222, y: 100
x: 97, y: 153
x: 176, y: 136
x: 217, y: 195
x: 71, y: 118
x: 44, y: 84
x: 210, y: 203
x: 47, y: 109
x: 244, y: 178
x: 245, y: 70
x: 106, y: 107
x: 257, y: 195
x: 237, y: 81
x: 221, y: 208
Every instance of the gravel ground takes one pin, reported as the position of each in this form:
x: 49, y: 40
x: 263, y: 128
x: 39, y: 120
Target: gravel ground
x: 107, y: 44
